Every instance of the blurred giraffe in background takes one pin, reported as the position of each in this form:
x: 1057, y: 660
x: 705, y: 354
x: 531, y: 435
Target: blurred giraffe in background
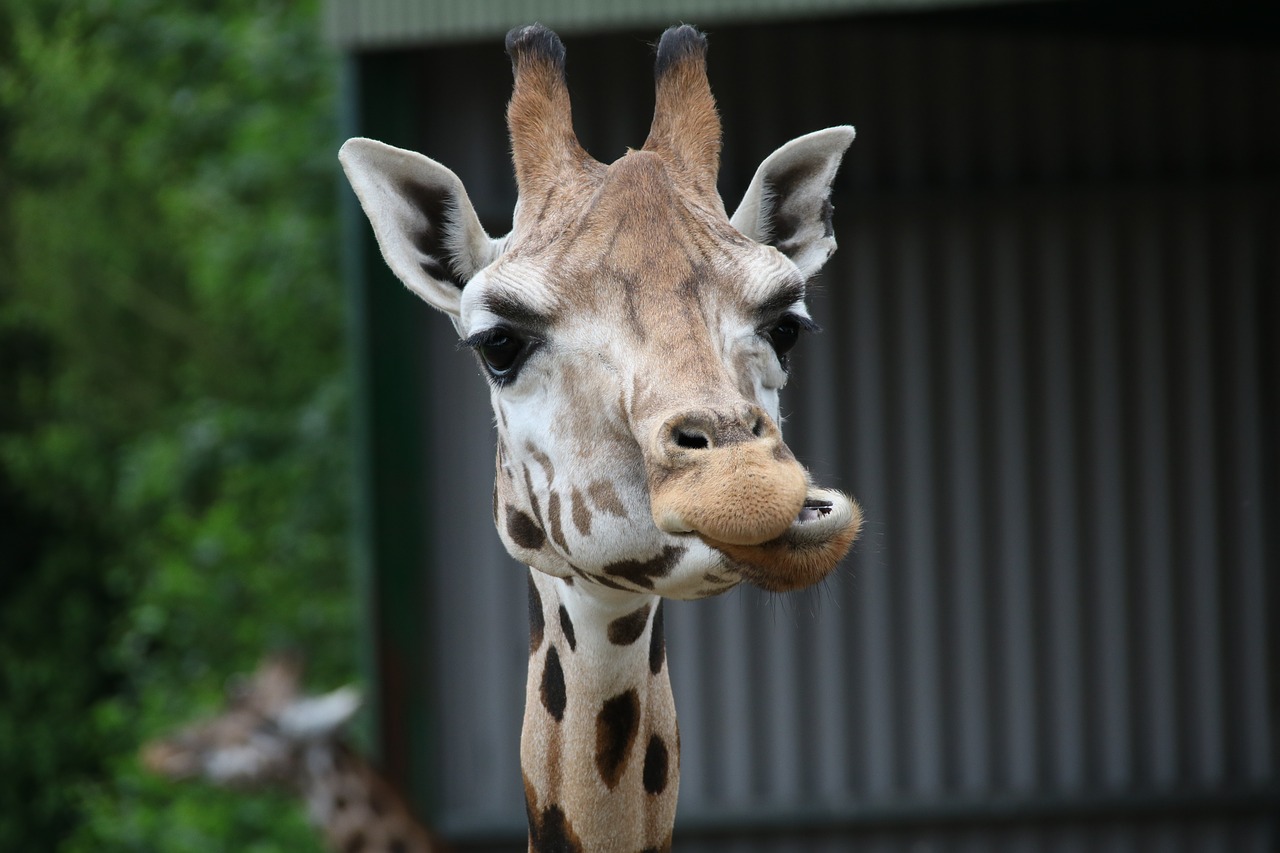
x: 268, y: 734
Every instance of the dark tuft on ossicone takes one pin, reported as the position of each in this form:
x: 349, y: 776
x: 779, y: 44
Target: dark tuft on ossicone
x: 676, y: 45
x: 535, y: 40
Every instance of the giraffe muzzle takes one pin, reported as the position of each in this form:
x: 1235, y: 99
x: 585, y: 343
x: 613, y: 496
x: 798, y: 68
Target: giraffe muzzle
x: 807, y: 551
x: 724, y: 474
x: 729, y: 479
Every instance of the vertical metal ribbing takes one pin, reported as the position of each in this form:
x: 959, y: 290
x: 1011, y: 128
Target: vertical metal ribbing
x: 918, y: 578
x: 1057, y: 477
x: 1252, y: 671
x: 1196, y: 530
x: 1156, y: 739
x: 968, y: 650
x: 1103, y: 595
x: 1010, y: 464
x: 1051, y: 401
x: 874, y: 761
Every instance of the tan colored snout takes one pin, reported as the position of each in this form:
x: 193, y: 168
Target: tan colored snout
x: 725, y: 474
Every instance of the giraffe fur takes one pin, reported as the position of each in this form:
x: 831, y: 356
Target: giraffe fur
x: 635, y: 338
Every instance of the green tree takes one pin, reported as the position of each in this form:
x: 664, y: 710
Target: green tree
x: 173, y: 447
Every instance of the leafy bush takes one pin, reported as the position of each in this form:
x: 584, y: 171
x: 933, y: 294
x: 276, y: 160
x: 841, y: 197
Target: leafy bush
x: 174, y: 484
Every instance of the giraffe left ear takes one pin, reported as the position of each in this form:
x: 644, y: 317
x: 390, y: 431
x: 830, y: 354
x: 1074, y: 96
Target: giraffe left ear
x: 426, y: 226
x: 788, y: 204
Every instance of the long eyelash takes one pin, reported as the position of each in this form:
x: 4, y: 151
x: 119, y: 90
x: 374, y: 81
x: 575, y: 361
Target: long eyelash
x: 479, y: 339
x: 486, y: 336
x: 805, y: 324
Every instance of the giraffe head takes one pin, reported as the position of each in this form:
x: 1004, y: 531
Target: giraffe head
x: 260, y: 736
x: 634, y: 336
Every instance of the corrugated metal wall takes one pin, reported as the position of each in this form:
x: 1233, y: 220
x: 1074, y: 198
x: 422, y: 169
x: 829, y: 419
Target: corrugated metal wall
x: 1051, y: 375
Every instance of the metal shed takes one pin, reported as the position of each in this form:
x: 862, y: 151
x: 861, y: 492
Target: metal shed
x: 1051, y: 375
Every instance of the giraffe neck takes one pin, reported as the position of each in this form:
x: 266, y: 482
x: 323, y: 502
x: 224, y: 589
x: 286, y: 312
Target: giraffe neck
x: 600, y: 747
x: 354, y: 806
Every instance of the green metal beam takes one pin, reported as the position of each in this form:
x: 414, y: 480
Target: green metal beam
x: 378, y: 24
x: 390, y: 438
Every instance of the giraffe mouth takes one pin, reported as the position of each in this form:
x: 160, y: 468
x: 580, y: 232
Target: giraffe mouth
x: 823, y: 513
x: 818, y: 538
x: 814, y: 509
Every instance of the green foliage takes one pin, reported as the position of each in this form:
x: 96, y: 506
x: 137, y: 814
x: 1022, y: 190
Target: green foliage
x: 173, y: 441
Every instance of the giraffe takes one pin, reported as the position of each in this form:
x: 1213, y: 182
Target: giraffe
x: 634, y: 337
x: 269, y: 735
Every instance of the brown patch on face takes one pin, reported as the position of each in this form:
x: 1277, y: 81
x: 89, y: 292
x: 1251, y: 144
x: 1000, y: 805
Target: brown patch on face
x: 604, y: 581
x: 523, y: 530
x: 606, y: 498
x: 553, y: 514
x: 578, y: 509
x: 543, y: 460
x: 616, y: 727
x: 643, y: 572
x: 533, y: 497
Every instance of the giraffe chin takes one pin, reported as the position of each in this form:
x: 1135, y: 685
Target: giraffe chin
x: 806, y: 552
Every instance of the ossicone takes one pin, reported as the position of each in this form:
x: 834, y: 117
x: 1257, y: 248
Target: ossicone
x: 686, y: 126
x: 544, y: 147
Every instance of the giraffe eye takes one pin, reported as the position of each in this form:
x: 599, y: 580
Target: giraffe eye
x: 501, y: 351
x: 783, y: 335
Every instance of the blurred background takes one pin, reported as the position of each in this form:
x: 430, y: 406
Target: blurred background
x: 1049, y: 373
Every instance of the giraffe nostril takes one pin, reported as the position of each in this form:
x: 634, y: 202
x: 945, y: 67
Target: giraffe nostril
x: 757, y: 428
x: 690, y: 440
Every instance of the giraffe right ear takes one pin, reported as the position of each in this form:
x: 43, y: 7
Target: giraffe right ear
x: 426, y: 227
x: 788, y: 204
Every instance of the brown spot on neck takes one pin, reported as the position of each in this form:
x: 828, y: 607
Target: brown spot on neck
x: 625, y: 630
x: 657, y: 643
x: 566, y: 628
x: 553, y: 695
x: 537, y: 621
x: 616, y: 727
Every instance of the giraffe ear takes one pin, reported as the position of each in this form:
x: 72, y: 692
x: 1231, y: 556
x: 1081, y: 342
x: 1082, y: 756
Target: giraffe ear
x: 788, y: 204
x: 426, y: 226
x: 319, y: 716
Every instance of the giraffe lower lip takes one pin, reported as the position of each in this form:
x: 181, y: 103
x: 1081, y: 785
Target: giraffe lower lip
x: 820, y: 536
